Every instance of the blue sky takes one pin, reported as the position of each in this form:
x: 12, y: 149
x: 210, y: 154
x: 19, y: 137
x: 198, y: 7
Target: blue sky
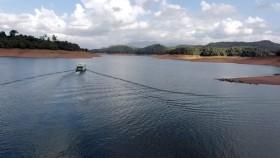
x: 97, y: 23
x: 28, y: 6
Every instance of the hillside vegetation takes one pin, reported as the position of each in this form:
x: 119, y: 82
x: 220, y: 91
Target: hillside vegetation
x: 265, y: 44
x: 153, y: 49
x: 16, y: 40
x: 242, y: 49
x: 117, y: 49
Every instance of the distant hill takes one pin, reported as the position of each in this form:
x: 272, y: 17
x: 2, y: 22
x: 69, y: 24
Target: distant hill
x: 141, y: 44
x: 153, y: 49
x: 123, y: 49
x: 116, y: 49
x: 266, y: 45
x: 243, y: 49
x: 119, y: 49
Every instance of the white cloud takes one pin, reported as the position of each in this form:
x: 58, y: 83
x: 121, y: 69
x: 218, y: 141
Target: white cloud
x: 248, y: 31
x: 47, y: 20
x: 276, y: 6
x: 146, y: 4
x: 228, y: 28
x: 256, y: 22
x: 99, y: 23
x: 217, y: 9
x: 232, y: 27
x: 44, y: 20
x: 117, y: 10
x: 81, y: 20
x: 252, y: 20
x: 138, y: 25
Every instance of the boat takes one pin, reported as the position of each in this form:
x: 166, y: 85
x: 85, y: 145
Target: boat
x: 81, y: 67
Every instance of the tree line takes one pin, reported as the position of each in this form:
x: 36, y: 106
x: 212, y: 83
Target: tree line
x: 235, y: 51
x: 214, y: 51
x: 264, y: 44
x: 123, y: 49
x: 16, y: 40
x: 243, y: 51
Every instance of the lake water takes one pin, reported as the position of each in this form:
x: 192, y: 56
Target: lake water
x: 176, y: 109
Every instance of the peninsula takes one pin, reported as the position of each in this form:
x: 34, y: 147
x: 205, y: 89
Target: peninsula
x: 18, y: 45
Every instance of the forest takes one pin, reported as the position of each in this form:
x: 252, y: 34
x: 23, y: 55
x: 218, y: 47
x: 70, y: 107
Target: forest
x: 16, y: 40
x: 262, y: 48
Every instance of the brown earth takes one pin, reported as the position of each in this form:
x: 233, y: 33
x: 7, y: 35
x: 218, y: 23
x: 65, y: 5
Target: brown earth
x: 269, y: 61
x: 269, y: 80
x: 41, y: 53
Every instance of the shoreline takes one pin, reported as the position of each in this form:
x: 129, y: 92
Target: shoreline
x: 269, y: 61
x: 43, y: 53
x: 266, y: 61
x: 267, y: 80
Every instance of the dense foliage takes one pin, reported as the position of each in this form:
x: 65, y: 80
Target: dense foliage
x: 210, y: 51
x: 266, y: 45
x: 30, y: 42
x: 254, y: 52
x: 119, y: 49
x: 153, y: 49
x: 182, y: 50
x: 243, y: 51
x: 234, y: 51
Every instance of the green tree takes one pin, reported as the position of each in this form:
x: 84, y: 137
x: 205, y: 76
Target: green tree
x: 208, y: 51
x: 54, y: 37
x: 181, y: 50
x: 31, y: 42
x: 45, y: 36
x: 13, y: 33
x: 2, y: 34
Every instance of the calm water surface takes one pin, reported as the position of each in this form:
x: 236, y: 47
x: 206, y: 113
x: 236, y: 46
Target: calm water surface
x: 73, y: 114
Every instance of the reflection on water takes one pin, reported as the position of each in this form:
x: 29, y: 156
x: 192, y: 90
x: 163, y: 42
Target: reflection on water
x: 90, y: 115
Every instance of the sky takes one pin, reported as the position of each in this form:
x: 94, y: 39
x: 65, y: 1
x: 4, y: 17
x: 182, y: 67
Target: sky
x: 101, y: 23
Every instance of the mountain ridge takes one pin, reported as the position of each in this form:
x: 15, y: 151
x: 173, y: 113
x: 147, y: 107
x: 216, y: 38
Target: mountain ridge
x: 264, y: 44
x: 259, y: 48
